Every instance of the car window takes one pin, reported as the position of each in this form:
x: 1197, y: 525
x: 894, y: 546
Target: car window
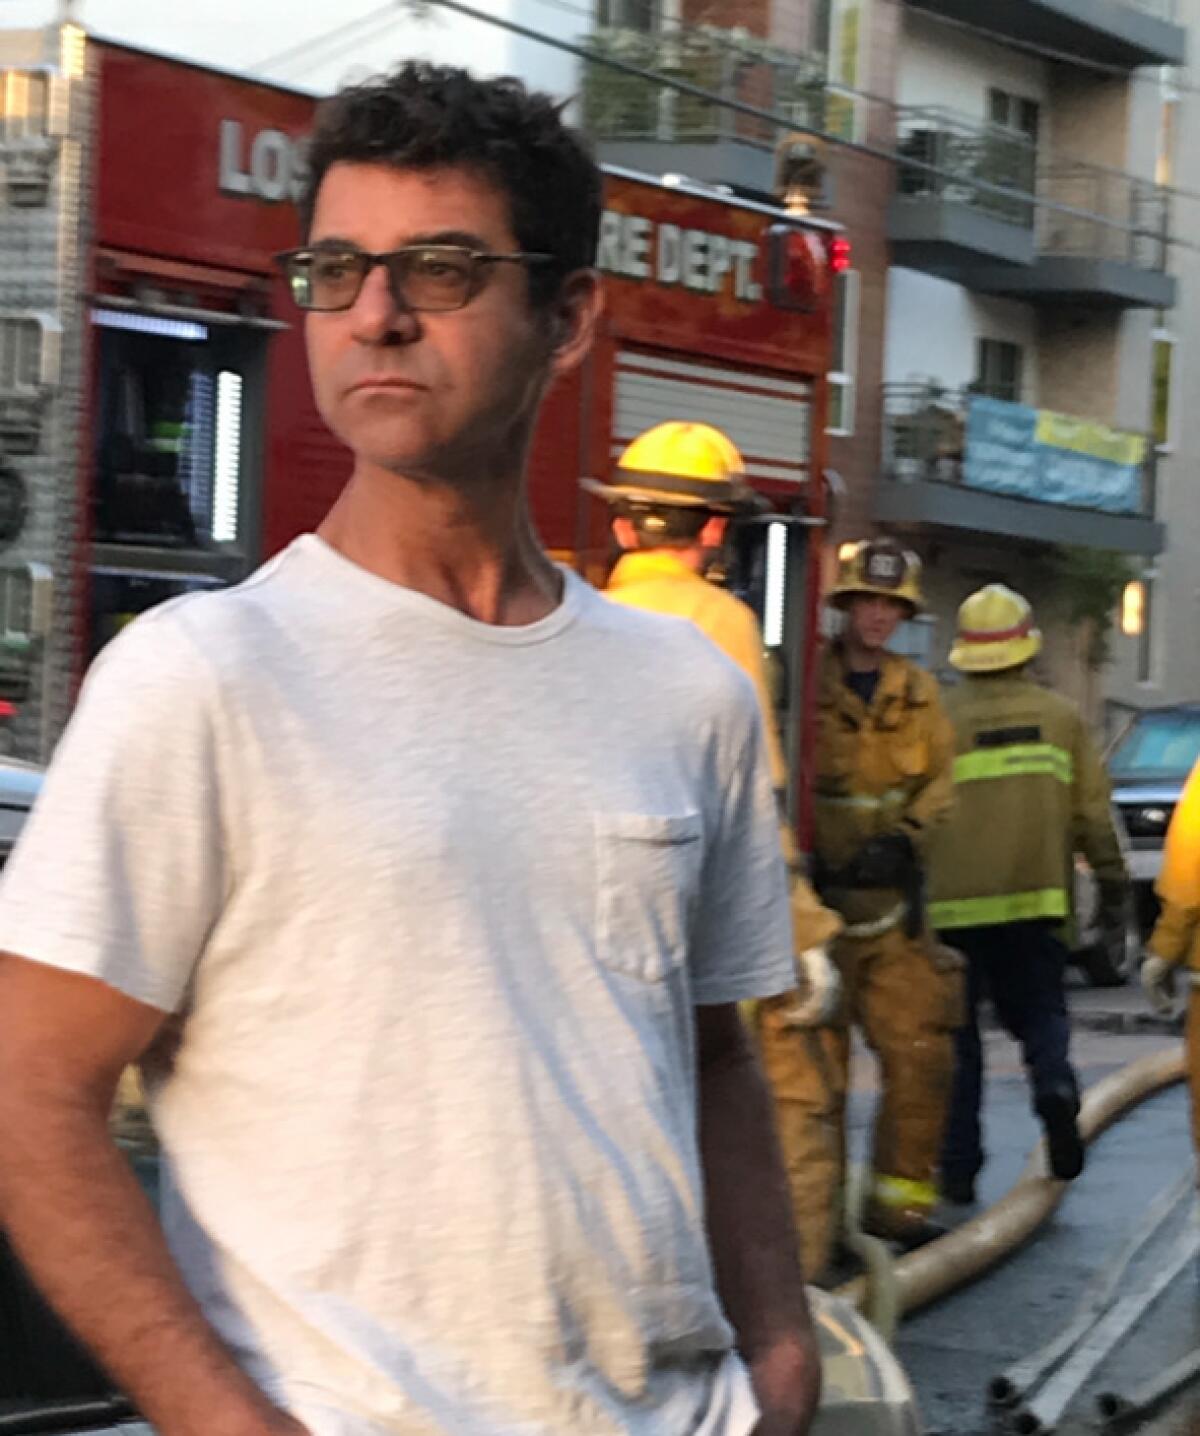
x: 1159, y: 747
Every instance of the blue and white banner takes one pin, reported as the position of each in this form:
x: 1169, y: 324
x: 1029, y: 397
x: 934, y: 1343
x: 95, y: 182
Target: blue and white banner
x: 1052, y: 458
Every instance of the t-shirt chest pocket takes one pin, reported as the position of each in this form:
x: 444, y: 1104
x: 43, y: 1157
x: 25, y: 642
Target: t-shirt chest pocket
x: 647, y: 882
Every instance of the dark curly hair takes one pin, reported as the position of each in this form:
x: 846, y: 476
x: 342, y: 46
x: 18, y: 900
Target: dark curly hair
x: 424, y: 116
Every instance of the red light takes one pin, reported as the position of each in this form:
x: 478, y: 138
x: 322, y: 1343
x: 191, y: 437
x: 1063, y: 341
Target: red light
x: 839, y: 254
x: 7, y: 709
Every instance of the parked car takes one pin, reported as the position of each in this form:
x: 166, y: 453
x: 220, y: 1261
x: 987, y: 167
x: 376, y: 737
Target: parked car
x: 1148, y: 765
x: 19, y: 786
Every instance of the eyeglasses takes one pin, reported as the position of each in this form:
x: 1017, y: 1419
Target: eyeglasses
x: 431, y: 278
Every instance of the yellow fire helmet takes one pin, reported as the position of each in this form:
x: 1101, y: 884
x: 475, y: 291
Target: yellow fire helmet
x: 878, y: 566
x: 995, y: 632
x: 682, y: 464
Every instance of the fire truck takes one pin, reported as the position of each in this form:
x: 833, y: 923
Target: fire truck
x: 157, y: 430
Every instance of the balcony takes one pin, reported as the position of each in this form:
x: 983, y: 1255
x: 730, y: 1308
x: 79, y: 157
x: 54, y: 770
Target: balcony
x: 1126, y: 33
x: 947, y: 216
x: 641, y: 124
x: 974, y: 205
x: 962, y: 462
x: 1102, y: 239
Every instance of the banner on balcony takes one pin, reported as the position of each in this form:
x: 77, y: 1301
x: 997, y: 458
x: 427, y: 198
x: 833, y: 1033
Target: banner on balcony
x: 1052, y: 458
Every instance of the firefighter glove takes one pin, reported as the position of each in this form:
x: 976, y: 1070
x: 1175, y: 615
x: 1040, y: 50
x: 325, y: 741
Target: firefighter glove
x: 887, y: 861
x: 1160, y: 981
x: 1113, y: 913
x: 818, y: 991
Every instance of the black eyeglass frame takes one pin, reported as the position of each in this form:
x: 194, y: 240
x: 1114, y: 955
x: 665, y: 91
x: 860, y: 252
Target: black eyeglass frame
x: 479, y: 260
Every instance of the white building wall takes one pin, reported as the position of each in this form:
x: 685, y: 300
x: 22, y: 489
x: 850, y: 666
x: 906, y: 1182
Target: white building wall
x: 954, y: 69
x: 933, y: 326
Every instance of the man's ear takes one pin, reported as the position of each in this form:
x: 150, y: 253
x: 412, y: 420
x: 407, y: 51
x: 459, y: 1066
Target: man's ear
x: 575, y: 315
x: 625, y: 533
x: 712, y: 535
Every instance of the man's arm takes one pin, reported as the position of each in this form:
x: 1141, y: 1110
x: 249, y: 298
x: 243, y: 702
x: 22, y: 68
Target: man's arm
x: 1095, y: 831
x: 750, y: 1227
x: 78, y: 1218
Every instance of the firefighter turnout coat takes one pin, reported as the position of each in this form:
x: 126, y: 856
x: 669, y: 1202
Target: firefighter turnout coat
x: 1030, y: 792
x: 881, y: 768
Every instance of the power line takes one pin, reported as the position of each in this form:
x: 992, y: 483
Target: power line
x: 788, y: 124
x: 736, y: 46
x: 283, y: 57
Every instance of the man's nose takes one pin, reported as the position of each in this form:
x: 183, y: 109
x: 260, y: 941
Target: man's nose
x: 377, y: 317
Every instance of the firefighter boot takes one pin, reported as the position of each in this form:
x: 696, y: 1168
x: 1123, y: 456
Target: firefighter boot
x: 1057, y: 1110
x: 906, y: 1223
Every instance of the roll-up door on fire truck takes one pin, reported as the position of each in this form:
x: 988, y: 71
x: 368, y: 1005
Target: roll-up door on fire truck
x: 766, y: 416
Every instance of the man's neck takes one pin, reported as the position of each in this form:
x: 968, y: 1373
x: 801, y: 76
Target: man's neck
x: 473, y: 549
x: 859, y: 659
x: 690, y: 558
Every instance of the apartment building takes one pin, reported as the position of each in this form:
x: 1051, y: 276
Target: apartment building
x: 1031, y: 302
x: 1013, y: 332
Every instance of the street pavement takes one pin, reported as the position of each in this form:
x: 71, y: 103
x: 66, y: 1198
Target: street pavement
x: 955, y: 1347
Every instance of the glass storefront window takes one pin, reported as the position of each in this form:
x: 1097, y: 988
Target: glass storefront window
x: 118, y: 598
x: 169, y: 435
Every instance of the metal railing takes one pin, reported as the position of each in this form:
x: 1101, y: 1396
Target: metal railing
x: 925, y: 438
x: 1076, y: 209
x: 944, y: 155
x: 1130, y: 223
x: 622, y: 106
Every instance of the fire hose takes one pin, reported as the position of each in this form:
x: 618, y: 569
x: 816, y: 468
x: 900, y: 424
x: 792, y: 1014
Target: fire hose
x: 979, y: 1244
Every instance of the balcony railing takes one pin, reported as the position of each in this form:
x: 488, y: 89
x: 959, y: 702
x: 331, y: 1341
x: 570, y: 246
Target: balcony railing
x: 946, y: 156
x: 926, y: 441
x: 1077, y: 210
x: 1115, y: 216
x: 633, y: 107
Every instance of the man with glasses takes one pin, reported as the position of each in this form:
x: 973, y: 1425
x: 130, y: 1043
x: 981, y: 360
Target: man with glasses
x: 387, y: 865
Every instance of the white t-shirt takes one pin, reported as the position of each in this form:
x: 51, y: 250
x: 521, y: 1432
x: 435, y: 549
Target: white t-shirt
x: 436, y: 899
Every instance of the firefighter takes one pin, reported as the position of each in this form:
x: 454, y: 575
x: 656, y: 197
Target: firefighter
x: 1030, y: 791
x: 675, y: 490
x: 884, y: 750
x: 1171, y: 970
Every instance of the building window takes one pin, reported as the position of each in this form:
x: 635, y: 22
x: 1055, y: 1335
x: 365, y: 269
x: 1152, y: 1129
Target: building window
x: 20, y: 355
x: 1015, y: 113
x: 846, y: 299
x: 1164, y: 165
x: 844, y: 27
x: 1162, y: 381
x: 998, y: 370
x: 24, y: 105
x: 642, y: 15
x: 1142, y: 618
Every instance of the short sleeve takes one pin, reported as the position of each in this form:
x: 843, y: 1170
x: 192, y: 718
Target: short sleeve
x: 118, y: 874
x: 742, y: 944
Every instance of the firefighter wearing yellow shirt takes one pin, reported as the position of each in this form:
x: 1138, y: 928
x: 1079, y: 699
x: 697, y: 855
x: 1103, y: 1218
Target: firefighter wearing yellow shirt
x: 884, y: 753
x: 673, y: 494
x: 1030, y: 792
x: 1171, y: 970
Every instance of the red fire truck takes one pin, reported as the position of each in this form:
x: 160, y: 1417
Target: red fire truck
x: 157, y: 431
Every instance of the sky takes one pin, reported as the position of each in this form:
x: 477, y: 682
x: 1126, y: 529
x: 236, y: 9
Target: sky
x: 310, y: 44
